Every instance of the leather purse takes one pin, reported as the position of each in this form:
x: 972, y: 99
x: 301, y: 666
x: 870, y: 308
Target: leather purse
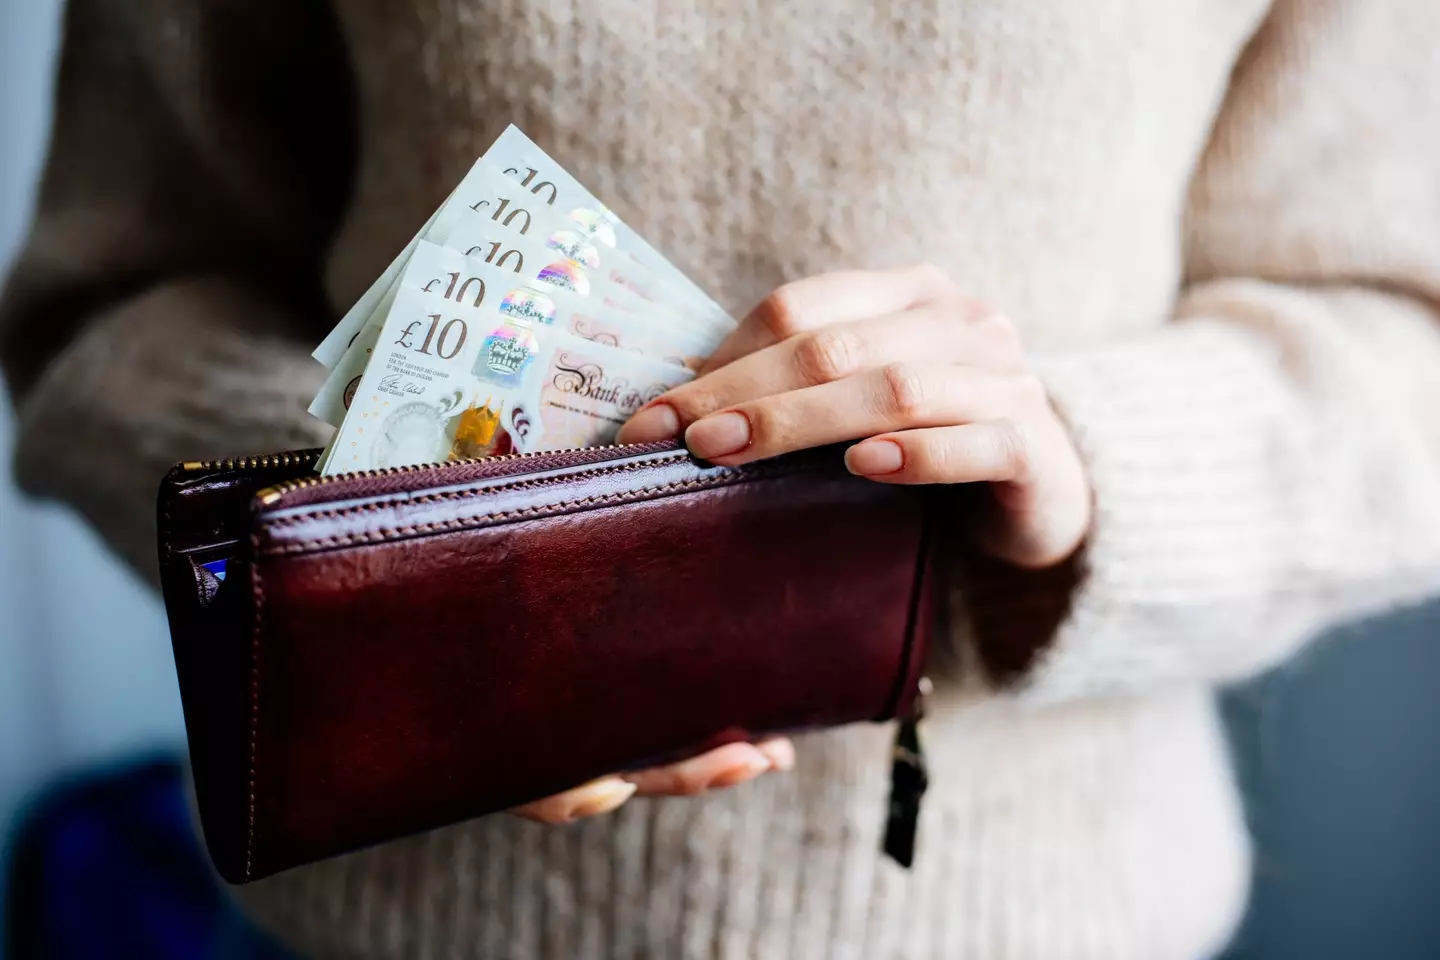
x: 371, y: 655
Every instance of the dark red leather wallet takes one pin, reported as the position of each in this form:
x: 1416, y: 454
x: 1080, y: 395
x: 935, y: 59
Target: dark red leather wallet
x: 368, y: 656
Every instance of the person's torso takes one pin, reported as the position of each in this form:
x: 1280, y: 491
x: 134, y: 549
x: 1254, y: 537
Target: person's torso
x: 1039, y: 152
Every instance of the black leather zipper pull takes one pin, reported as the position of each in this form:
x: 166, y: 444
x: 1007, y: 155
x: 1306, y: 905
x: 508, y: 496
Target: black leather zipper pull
x: 908, y: 780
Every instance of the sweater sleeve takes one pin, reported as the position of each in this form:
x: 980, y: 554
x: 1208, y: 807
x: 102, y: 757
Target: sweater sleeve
x: 1268, y: 461
x: 164, y: 303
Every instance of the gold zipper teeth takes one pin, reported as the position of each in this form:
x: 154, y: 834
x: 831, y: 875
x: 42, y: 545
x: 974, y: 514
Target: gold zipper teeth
x: 252, y: 463
x: 271, y: 494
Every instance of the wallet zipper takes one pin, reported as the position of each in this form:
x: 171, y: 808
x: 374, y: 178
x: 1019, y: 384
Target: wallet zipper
x: 267, y: 462
x: 267, y: 496
x: 909, y: 779
x: 271, y: 494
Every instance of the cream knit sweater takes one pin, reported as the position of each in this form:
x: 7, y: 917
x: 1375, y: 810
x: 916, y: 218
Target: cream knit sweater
x: 1217, y: 222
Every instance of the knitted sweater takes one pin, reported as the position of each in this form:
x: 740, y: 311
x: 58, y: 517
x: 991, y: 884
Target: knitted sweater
x: 1216, y: 223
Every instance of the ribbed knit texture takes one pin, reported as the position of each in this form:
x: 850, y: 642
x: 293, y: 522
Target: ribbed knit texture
x: 787, y: 867
x: 109, y: 426
x: 1216, y: 224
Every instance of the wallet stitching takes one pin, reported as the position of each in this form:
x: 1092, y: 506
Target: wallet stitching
x: 462, y: 523
x: 259, y: 600
x: 523, y: 484
x: 532, y: 483
x: 517, y: 484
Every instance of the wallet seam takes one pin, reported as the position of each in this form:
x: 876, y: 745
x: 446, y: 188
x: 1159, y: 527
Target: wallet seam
x: 924, y: 577
x: 465, y: 523
x: 259, y: 601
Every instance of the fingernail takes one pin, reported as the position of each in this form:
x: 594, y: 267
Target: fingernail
x: 757, y: 764
x: 718, y: 435
x: 604, y: 798
x: 874, y: 458
x: 658, y: 422
x: 781, y: 754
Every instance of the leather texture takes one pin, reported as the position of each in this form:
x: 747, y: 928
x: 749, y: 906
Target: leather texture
x: 391, y: 653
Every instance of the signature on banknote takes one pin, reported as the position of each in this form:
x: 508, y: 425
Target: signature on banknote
x: 398, y: 386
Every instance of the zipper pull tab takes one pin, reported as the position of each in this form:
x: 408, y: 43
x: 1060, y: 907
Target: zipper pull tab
x: 908, y: 780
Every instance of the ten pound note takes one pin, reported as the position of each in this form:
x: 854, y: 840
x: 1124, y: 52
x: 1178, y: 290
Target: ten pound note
x: 451, y: 381
x: 523, y: 317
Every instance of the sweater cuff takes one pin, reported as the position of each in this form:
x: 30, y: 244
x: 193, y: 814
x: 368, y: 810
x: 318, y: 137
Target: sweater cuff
x: 189, y: 371
x: 1186, y: 432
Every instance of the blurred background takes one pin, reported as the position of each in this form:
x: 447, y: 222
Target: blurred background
x: 85, y: 669
x: 86, y: 679
x: 1339, y: 752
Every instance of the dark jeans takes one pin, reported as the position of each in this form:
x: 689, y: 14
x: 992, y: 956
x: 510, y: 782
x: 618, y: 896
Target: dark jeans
x: 107, y: 865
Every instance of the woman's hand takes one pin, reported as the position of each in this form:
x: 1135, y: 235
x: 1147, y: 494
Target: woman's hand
x: 937, y: 389
x: 936, y: 386
x: 725, y: 766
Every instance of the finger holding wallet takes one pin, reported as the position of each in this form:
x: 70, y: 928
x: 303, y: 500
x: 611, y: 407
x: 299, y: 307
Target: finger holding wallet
x: 936, y: 387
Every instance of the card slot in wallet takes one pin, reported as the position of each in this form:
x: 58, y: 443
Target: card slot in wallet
x: 399, y: 650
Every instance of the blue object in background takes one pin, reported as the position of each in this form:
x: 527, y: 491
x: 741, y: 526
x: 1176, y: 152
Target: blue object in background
x: 1338, y: 753
x: 110, y: 867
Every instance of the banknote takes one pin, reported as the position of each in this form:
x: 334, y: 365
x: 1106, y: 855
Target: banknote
x: 450, y: 381
x: 554, y: 298
x: 518, y: 156
x: 524, y: 316
x: 573, y: 261
x: 408, y: 403
x: 583, y: 393
x: 334, y: 395
x: 562, y: 258
x: 505, y: 228
x: 485, y: 191
x: 577, y: 263
x: 503, y: 243
x: 540, y: 296
x: 514, y: 156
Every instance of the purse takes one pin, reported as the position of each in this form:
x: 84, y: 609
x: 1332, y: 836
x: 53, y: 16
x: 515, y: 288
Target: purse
x: 371, y: 655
